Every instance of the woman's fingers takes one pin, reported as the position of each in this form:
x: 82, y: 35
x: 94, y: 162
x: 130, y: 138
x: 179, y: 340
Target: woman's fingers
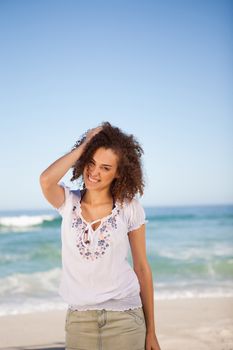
x: 93, y: 132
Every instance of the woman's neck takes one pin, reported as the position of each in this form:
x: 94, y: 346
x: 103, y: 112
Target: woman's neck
x: 95, y: 198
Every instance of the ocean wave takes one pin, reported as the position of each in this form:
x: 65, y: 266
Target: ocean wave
x: 26, y: 221
x: 193, y: 289
x: 23, y: 303
x: 205, y: 252
x: 219, y: 214
x: 37, y: 283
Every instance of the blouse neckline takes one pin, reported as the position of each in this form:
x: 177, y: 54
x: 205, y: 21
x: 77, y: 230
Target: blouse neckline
x: 104, y: 218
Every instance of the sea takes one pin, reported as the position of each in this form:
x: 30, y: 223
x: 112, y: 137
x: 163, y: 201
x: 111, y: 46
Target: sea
x: 189, y: 249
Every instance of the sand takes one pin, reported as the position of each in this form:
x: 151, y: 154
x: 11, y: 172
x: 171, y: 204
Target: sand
x: 182, y: 324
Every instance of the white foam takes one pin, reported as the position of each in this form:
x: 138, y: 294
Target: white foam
x: 188, y: 253
x: 169, y: 295
x: 194, y: 289
x: 23, y: 221
x: 24, y: 293
x: 37, y: 283
x: 30, y: 305
x: 6, y: 258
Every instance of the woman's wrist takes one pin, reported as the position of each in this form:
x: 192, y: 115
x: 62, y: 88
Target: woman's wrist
x: 150, y: 329
x: 77, y: 151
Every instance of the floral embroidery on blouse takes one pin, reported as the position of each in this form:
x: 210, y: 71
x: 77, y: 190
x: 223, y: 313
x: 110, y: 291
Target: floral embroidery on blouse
x: 92, y: 247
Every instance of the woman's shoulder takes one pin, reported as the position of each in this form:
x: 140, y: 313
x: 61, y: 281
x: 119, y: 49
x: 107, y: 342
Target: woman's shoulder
x: 131, y: 205
x: 71, y: 192
x: 131, y: 202
x: 77, y: 192
x: 134, y: 213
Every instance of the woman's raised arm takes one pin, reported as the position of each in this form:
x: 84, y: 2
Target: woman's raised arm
x: 50, y: 177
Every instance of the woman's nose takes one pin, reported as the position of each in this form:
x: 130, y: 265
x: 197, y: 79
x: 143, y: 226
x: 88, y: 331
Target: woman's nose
x: 94, y: 171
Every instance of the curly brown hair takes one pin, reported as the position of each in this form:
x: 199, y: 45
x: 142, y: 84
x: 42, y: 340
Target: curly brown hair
x: 129, y: 152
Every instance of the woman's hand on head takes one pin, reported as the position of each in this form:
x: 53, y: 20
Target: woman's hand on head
x: 92, y: 132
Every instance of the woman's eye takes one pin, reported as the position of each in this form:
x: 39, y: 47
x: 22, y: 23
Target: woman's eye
x: 90, y: 165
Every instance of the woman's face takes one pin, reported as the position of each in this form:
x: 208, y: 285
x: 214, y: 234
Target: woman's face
x: 101, y: 169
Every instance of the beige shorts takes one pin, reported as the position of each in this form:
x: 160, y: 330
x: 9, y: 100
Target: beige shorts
x: 105, y: 330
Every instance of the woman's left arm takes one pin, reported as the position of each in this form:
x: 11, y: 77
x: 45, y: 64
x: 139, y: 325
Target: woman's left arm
x: 143, y: 271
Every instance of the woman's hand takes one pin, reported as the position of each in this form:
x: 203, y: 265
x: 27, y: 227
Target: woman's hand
x: 86, y: 137
x: 151, y: 342
x: 92, y: 132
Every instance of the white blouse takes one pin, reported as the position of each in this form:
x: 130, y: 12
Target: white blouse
x: 96, y: 273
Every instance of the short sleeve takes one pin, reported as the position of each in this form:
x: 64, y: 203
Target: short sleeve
x: 61, y: 210
x: 137, y: 216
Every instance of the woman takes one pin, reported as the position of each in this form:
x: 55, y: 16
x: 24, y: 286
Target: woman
x: 111, y: 304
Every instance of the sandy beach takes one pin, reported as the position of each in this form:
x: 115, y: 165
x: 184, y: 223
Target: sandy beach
x: 184, y: 324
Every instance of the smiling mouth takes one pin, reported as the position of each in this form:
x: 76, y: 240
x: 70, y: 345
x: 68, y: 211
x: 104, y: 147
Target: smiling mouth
x: 91, y: 179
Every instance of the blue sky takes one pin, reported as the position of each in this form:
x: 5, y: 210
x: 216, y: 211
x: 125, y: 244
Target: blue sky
x: 161, y: 70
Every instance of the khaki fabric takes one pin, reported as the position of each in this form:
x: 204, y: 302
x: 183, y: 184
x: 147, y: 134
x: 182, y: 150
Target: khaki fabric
x: 105, y: 330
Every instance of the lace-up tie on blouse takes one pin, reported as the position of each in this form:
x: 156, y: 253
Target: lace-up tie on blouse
x: 89, y: 234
